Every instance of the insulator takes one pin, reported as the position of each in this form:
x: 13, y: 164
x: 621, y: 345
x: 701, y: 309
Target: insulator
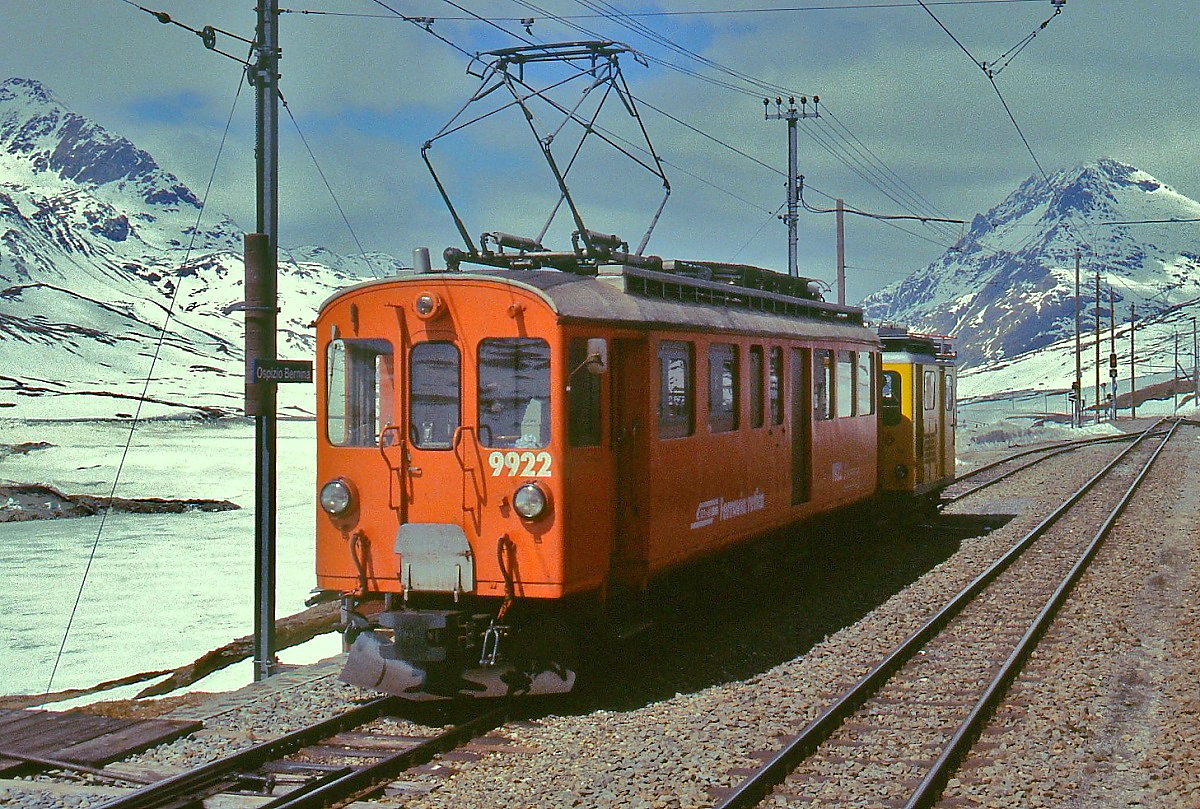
x: 517, y: 242
x: 610, y: 241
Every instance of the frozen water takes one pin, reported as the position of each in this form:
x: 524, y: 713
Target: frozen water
x: 161, y: 589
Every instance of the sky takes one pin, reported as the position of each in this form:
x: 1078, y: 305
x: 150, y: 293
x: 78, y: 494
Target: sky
x: 911, y: 121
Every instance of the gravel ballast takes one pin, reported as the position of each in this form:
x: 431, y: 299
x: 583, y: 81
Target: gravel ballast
x: 1108, y: 714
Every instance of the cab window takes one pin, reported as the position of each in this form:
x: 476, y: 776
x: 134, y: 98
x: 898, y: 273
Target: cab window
x: 775, y: 385
x: 864, y: 376
x: 358, y: 391
x: 756, y: 386
x: 823, y: 384
x: 583, y: 397
x: 723, y: 393
x: 844, y: 394
x: 514, y: 393
x: 676, y: 390
x: 889, y: 398
x: 434, y: 401
x: 931, y: 390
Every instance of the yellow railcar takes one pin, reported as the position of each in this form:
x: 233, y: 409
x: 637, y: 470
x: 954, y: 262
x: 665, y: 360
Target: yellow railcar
x: 917, y: 413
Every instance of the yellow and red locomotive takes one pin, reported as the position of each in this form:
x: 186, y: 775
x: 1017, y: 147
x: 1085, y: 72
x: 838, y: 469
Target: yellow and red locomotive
x: 504, y: 449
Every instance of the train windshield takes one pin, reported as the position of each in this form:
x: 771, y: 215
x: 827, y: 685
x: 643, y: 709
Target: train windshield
x: 889, y: 398
x: 514, y: 393
x: 434, y: 395
x: 358, y: 388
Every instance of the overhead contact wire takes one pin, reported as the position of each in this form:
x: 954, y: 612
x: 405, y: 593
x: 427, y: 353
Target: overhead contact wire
x: 162, y: 334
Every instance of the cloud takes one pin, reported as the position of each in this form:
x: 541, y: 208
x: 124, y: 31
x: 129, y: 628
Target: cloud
x: 905, y: 107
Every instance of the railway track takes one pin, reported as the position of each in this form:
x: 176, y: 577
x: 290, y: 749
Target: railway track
x: 897, y: 735
x: 325, y: 764
x: 987, y: 475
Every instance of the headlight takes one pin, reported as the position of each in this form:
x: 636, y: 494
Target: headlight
x: 428, y: 305
x: 336, y: 498
x: 529, y: 501
x: 901, y: 471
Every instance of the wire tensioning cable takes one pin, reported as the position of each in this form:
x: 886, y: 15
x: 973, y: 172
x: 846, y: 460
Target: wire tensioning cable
x: 143, y: 397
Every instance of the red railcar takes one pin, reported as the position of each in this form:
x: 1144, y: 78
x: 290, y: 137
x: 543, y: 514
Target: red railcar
x: 505, y: 450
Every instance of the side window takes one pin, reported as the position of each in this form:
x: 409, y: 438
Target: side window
x: 948, y: 396
x: 822, y: 384
x: 889, y: 398
x: 723, y: 393
x: 358, y: 391
x: 514, y: 393
x: 931, y: 390
x: 775, y: 385
x: 864, y: 377
x: 434, y: 400
x: 583, y: 397
x: 756, y: 386
x: 676, y: 390
x: 843, y: 395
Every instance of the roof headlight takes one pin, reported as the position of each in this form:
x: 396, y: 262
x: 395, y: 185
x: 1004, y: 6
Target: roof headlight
x: 337, y: 499
x: 427, y: 305
x: 529, y: 501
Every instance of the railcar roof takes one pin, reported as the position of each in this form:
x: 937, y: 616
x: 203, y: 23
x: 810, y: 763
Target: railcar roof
x: 915, y: 357
x: 584, y: 298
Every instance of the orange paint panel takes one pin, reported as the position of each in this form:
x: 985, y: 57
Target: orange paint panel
x: 437, y: 472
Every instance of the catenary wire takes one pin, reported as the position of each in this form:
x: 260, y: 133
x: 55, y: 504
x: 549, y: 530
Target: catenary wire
x: 312, y: 155
x: 145, y: 389
x: 857, y: 158
x: 688, y: 13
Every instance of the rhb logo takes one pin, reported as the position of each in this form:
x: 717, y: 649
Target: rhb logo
x: 718, y: 508
x: 707, y: 512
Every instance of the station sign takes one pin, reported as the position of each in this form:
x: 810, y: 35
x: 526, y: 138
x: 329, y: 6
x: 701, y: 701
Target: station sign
x: 271, y: 371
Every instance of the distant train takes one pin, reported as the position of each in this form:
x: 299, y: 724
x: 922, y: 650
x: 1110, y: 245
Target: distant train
x: 505, y: 453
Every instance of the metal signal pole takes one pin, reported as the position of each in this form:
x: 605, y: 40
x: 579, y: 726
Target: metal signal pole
x: 1078, y: 415
x: 1097, y: 346
x: 1195, y: 366
x: 1132, y: 365
x: 1112, y: 345
x: 1175, y: 376
x: 262, y: 254
x: 841, y: 252
x: 791, y: 115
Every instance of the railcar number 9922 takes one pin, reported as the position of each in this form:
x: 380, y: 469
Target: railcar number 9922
x: 523, y: 464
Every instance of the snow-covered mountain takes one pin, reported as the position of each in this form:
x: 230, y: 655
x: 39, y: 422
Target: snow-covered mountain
x: 106, y: 262
x: 1007, y: 288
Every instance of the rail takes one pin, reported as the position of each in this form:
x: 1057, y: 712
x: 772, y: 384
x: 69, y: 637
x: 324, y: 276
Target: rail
x: 330, y: 786
x: 1048, y: 451
x: 777, y: 768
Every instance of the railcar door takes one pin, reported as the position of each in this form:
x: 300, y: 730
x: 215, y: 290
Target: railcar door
x: 919, y: 418
x: 929, y: 444
x: 801, y: 397
x: 949, y: 422
x: 629, y: 566
x: 434, y: 418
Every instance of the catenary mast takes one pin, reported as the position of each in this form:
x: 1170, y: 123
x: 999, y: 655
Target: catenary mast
x: 261, y: 307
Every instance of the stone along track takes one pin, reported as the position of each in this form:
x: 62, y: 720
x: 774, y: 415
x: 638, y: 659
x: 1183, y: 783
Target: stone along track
x: 327, y: 763
x: 989, y: 474
x: 897, y: 735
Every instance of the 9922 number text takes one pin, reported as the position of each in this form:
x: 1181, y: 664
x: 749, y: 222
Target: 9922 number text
x: 523, y: 464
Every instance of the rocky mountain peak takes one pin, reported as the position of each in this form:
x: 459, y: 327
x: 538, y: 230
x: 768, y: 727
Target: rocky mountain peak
x: 97, y: 245
x: 36, y: 129
x: 1007, y: 287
